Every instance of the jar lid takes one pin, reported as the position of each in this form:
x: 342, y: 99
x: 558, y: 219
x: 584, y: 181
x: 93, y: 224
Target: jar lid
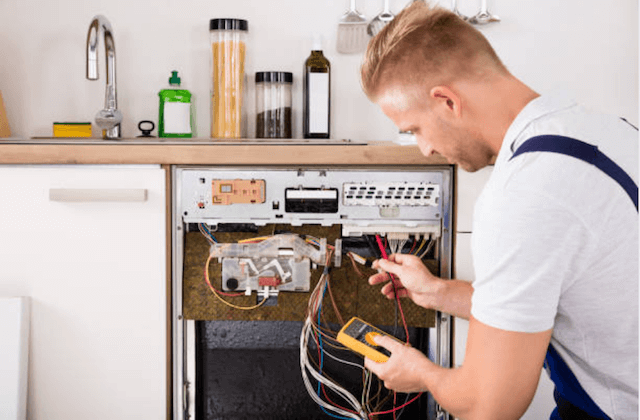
x: 274, y: 76
x: 228, y: 24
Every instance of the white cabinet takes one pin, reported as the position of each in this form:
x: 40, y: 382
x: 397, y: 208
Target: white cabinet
x: 14, y: 357
x: 468, y: 189
x: 463, y: 269
x: 93, y: 264
x: 469, y: 186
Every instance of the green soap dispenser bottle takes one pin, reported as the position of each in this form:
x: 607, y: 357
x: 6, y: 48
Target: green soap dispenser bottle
x: 175, y: 114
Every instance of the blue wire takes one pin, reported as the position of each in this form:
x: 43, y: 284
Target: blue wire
x: 208, y: 232
x: 324, y: 290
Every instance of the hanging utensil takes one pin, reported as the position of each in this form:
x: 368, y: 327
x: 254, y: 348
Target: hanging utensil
x: 379, y: 22
x: 454, y: 9
x: 352, y: 32
x: 483, y: 16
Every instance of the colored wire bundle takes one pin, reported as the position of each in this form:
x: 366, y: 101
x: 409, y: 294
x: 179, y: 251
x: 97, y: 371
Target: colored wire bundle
x: 315, y: 377
x: 316, y: 337
x: 314, y: 332
x: 207, y: 233
x: 394, y: 280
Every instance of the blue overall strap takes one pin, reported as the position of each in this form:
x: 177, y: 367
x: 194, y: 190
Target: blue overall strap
x: 572, y: 400
x: 585, y: 152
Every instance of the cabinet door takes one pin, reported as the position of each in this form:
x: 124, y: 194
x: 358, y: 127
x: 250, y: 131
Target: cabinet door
x: 469, y: 188
x: 95, y: 272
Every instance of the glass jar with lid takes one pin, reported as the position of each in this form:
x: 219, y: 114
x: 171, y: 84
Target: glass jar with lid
x: 228, y: 52
x: 273, y: 104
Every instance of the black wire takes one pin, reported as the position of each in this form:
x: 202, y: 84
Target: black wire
x: 375, y: 250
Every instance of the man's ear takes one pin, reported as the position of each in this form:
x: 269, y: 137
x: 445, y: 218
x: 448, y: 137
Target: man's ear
x: 447, y: 101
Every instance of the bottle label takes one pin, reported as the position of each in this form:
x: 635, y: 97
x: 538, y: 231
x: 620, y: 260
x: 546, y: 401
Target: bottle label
x: 177, y: 118
x: 318, y: 102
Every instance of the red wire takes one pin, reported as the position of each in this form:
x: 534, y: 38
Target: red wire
x: 382, y: 247
x: 334, y: 404
x: 404, y: 322
x: 413, y: 246
x: 395, y: 408
x: 395, y: 286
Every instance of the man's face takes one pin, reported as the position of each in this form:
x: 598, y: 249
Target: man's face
x: 434, y: 134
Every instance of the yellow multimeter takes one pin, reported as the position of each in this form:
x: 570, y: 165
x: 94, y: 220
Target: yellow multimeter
x: 358, y: 336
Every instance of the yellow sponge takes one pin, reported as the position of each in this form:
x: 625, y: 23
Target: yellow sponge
x: 72, y: 129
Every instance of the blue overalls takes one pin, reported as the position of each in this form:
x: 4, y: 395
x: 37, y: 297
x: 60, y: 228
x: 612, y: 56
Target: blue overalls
x: 572, y: 400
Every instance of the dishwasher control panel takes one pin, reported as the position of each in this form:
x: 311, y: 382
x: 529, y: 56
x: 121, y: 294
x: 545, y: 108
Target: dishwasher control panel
x: 411, y: 198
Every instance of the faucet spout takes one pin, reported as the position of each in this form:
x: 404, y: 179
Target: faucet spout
x: 110, y: 117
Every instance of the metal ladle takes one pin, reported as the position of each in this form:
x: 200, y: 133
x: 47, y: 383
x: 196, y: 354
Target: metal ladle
x: 483, y: 16
x: 379, y: 22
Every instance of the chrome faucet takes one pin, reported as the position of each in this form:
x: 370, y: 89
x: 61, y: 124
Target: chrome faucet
x: 110, y: 117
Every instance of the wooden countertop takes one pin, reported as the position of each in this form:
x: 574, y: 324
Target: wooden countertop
x: 209, y: 152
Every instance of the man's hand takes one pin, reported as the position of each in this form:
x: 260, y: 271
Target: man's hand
x: 404, y: 370
x: 415, y: 280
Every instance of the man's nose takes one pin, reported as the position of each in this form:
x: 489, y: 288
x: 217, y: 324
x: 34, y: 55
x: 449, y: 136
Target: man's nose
x: 427, y: 149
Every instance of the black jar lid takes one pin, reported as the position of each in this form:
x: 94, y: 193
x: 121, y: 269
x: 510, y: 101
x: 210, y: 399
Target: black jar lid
x: 228, y: 24
x: 274, y: 76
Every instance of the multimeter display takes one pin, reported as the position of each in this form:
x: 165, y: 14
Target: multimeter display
x: 358, y: 336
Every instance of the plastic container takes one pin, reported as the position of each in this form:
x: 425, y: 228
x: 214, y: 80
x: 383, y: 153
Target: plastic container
x: 273, y: 104
x: 228, y: 55
x: 175, y: 115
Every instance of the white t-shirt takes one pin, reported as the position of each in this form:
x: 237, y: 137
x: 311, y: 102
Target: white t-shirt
x: 555, y: 245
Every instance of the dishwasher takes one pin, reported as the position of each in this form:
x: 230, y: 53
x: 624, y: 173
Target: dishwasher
x: 270, y: 262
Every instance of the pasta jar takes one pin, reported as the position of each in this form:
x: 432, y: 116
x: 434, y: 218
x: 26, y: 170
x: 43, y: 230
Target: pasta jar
x: 273, y: 104
x: 228, y: 53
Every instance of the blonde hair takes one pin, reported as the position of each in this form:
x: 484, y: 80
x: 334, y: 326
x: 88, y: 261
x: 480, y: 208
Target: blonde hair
x: 426, y: 44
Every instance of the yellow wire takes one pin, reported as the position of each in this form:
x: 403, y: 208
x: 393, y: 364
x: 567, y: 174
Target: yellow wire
x: 243, y: 308
x: 420, y: 247
x: 260, y: 238
x: 316, y: 242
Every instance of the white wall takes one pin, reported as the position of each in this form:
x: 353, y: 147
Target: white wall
x: 586, y: 47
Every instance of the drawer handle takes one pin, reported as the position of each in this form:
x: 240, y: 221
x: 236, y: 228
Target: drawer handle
x: 89, y: 195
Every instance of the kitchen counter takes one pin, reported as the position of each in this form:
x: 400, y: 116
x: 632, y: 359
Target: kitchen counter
x: 208, y: 152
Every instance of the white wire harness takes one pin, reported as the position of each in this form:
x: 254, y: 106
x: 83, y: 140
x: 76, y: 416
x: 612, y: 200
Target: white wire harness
x: 306, y: 367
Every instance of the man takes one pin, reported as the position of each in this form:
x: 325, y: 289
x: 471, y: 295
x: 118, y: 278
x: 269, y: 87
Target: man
x: 555, y: 241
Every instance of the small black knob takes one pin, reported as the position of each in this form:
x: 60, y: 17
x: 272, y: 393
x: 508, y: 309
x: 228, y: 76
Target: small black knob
x: 146, y: 132
x: 232, y: 284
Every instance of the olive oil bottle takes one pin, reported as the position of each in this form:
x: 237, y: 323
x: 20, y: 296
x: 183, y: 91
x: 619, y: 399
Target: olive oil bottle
x: 316, y: 113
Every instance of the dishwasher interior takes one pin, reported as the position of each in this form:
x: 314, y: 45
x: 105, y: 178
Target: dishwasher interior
x: 270, y: 262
